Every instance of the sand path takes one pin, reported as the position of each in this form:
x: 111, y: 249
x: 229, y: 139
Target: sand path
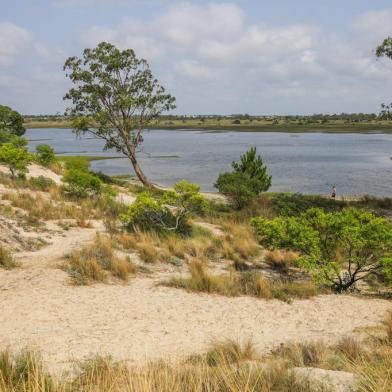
x: 139, y: 320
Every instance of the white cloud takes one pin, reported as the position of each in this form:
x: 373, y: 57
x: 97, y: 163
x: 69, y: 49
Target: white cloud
x: 13, y: 41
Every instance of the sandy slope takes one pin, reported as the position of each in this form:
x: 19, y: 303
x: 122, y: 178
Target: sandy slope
x: 139, y: 320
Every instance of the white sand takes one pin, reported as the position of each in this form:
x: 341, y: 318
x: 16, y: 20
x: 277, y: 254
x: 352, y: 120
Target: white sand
x: 139, y: 320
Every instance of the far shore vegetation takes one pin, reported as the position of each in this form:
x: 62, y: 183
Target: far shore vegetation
x: 344, y: 123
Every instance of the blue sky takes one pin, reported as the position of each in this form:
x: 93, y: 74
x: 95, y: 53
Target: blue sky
x: 250, y: 56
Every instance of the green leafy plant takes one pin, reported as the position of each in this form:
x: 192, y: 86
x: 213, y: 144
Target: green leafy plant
x: 168, y: 213
x: 339, y: 248
x: 15, y: 158
x: 80, y: 183
x: 11, y: 122
x: 45, y: 155
x: 41, y: 183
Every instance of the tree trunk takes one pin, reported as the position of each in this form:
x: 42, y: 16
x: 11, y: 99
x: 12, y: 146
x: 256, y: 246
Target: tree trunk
x: 140, y: 175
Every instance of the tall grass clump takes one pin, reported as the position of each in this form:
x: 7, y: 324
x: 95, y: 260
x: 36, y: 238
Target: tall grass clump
x: 7, y: 261
x: 94, y: 262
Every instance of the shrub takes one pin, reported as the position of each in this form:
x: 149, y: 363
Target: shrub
x: 169, y: 213
x: 15, y: 158
x: 80, y: 183
x: 45, y: 155
x: 6, y: 259
x: 41, y: 183
x: 338, y: 248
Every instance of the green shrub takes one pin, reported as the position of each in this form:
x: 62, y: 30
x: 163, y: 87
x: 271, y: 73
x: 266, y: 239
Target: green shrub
x: 45, y: 155
x: 80, y: 183
x: 16, y: 158
x: 77, y: 163
x: 169, y: 212
x: 339, y: 248
x: 41, y: 183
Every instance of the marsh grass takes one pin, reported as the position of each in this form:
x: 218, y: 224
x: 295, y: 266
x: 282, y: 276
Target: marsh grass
x: 249, y: 283
x: 7, y: 261
x: 95, y: 262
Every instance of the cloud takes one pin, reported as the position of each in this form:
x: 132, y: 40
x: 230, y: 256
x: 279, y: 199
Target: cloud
x: 13, y: 41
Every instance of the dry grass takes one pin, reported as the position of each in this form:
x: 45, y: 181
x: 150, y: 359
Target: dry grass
x: 25, y: 373
x: 247, y: 283
x: 94, y: 262
x: 280, y: 260
x: 6, y: 259
x: 238, y: 246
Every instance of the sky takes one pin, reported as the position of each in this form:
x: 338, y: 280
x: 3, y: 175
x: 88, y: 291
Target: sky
x: 216, y: 57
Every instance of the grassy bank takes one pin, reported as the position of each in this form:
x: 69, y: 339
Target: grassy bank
x: 227, y: 124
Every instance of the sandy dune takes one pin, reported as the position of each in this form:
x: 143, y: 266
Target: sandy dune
x: 141, y: 321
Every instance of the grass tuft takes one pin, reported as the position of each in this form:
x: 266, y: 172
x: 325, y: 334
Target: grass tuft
x: 6, y: 259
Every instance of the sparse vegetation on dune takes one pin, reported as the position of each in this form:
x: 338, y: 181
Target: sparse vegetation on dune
x: 250, y: 283
x: 228, y: 366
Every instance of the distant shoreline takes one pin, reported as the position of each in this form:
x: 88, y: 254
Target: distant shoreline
x: 283, y: 128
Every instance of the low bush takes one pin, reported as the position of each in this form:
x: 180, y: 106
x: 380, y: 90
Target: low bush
x: 338, y: 248
x: 41, y: 183
x: 80, y: 183
x: 168, y: 213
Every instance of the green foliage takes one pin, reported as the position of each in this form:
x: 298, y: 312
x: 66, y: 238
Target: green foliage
x: 294, y: 204
x: 168, y: 213
x: 77, y: 163
x: 338, y: 248
x: 115, y: 97
x: 252, y: 165
x: 11, y: 121
x: 45, y: 155
x: 80, y: 183
x: 41, y: 183
x: 248, y: 179
x: 15, y: 158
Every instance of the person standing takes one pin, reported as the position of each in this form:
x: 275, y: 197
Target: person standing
x: 333, y: 195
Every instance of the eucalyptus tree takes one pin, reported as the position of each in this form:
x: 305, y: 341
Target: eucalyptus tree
x: 385, y: 50
x: 115, y: 97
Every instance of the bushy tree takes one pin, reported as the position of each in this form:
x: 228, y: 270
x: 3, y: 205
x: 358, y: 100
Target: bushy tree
x: 115, y: 97
x: 385, y: 50
x: 167, y: 213
x: 16, y: 158
x: 45, y: 155
x: 339, y: 248
x: 248, y: 179
x: 252, y: 165
x: 239, y: 188
x: 11, y: 122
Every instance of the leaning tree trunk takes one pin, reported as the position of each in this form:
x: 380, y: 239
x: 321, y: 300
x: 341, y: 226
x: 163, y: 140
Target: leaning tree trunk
x: 140, y: 175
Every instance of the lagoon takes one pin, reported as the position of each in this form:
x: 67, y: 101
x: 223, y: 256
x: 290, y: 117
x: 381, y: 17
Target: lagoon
x: 309, y: 163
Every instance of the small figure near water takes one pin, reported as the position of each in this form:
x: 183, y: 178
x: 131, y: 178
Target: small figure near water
x: 333, y: 194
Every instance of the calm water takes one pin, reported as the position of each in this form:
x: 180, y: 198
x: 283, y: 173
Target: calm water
x: 306, y: 163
